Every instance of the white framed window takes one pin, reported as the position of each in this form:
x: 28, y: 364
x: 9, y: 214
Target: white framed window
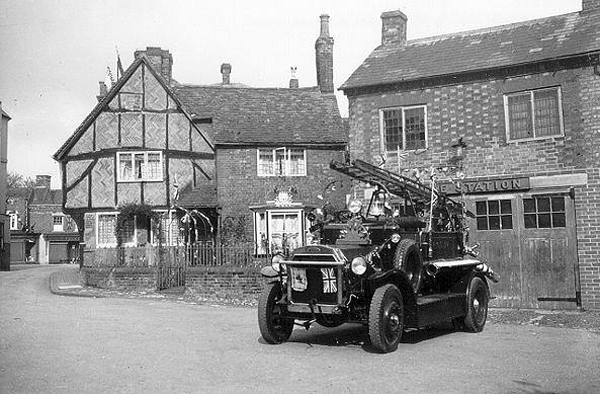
x: 14, y: 221
x: 403, y: 128
x: 279, y: 229
x: 533, y: 114
x: 169, y: 228
x: 58, y: 222
x: 281, y: 162
x: 139, y: 166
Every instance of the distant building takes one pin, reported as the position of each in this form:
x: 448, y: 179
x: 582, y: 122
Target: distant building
x: 4, y: 233
x: 510, y: 114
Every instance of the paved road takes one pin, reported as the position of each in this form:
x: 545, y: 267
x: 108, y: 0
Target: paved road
x: 51, y: 344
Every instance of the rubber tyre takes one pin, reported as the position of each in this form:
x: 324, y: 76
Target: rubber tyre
x: 386, y: 318
x: 477, y: 305
x: 408, y: 259
x: 274, y: 326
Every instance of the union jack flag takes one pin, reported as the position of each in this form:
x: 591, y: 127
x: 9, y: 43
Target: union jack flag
x: 329, y: 280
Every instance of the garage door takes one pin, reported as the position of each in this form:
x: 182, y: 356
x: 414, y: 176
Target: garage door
x: 530, y: 241
x: 58, y: 253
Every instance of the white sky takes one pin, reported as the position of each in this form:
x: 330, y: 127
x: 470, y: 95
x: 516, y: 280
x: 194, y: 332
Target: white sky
x: 54, y: 52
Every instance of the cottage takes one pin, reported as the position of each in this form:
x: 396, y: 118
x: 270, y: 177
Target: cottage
x: 249, y: 162
x: 505, y: 117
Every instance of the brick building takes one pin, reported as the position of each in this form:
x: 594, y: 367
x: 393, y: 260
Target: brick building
x: 251, y: 160
x: 507, y: 115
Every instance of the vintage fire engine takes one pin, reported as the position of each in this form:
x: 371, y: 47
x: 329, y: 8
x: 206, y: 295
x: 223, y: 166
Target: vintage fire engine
x: 403, y: 262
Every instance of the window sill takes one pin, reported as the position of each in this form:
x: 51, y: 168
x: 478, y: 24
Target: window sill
x: 546, y: 137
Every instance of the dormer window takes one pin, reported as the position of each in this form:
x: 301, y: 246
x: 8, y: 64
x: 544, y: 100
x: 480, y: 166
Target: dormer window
x: 139, y: 166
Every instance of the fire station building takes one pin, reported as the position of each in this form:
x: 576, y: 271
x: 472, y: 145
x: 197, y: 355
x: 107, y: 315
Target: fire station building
x: 508, y: 119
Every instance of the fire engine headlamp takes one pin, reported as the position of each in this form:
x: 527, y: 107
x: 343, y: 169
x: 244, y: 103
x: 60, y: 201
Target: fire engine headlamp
x: 354, y: 206
x: 395, y: 238
x: 359, y: 265
x: 276, y: 263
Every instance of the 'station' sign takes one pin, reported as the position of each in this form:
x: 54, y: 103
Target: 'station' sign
x: 487, y: 186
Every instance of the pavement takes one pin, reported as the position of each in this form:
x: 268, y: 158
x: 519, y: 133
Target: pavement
x: 67, y: 281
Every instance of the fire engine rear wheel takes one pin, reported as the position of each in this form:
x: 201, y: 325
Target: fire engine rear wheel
x: 408, y: 259
x: 477, y: 305
x: 386, y: 318
x: 274, y: 326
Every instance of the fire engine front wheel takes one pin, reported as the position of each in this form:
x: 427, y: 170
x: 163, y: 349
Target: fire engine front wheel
x: 386, y: 318
x: 477, y: 305
x: 274, y: 326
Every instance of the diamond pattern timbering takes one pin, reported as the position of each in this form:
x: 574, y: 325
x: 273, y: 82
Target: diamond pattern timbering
x: 131, y: 129
x: 85, y: 143
x: 107, y: 127
x: 156, y: 95
x: 156, y: 129
x: 103, y: 183
x: 179, y: 132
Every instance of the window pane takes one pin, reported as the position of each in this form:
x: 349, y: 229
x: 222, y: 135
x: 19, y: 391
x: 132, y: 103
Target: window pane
x: 558, y: 204
x: 494, y: 207
x: 265, y: 162
x: 530, y: 221
x: 558, y: 220
x: 494, y: 222
x: 296, y: 164
x: 529, y: 205
x: 280, y: 161
x: 507, y: 222
x: 482, y: 223
x: 153, y: 169
x: 392, y: 129
x: 481, y: 208
x: 414, y: 125
x: 125, y: 166
x: 505, y: 206
x: 106, y: 229
x: 519, y: 116
x: 138, y: 165
x: 543, y: 204
x: 547, y: 121
x: 544, y: 221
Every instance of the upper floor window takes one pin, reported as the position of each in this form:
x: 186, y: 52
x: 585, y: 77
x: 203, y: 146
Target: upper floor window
x: 533, y: 114
x: 58, y: 221
x: 404, y: 128
x: 281, y: 162
x: 139, y: 166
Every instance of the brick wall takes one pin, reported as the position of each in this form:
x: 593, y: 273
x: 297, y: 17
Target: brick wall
x: 474, y: 110
x: 239, y: 187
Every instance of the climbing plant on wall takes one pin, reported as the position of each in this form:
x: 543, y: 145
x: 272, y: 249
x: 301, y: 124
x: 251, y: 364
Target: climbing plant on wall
x: 141, y: 215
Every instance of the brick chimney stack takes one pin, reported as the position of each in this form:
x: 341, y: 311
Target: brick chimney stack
x: 393, y: 28
x: 294, y: 83
x: 160, y: 60
x: 43, y: 181
x: 324, y: 56
x: 590, y: 5
x: 226, y: 73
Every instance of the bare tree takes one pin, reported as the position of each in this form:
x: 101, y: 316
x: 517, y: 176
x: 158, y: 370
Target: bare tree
x: 14, y: 180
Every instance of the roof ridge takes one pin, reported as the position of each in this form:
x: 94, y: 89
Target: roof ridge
x: 220, y: 87
x: 491, y: 29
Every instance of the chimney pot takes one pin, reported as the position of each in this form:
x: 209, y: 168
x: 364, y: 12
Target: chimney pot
x: 590, y: 5
x: 393, y: 28
x: 294, y: 83
x: 226, y: 73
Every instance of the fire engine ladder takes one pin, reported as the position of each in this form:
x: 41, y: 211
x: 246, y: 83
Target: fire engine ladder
x: 394, y: 183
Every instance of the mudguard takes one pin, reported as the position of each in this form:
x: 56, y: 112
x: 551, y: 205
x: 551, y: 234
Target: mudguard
x: 269, y: 272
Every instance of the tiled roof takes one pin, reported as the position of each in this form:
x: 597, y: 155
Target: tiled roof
x: 265, y: 115
x: 520, y: 43
x: 204, y: 196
